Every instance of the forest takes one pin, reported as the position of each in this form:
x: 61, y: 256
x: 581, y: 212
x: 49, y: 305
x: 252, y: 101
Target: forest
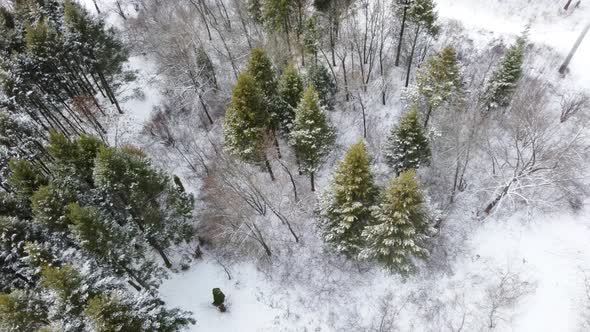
x: 293, y: 165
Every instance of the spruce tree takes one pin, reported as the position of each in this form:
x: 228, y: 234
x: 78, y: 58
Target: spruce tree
x: 345, y: 209
x: 501, y: 86
x: 290, y: 89
x: 323, y: 82
x: 247, y: 122
x: 407, y: 146
x: 439, y: 80
x: 311, y: 137
x: 422, y: 14
x: 22, y: 311
x: 260, y: 68
x: 400, y: 225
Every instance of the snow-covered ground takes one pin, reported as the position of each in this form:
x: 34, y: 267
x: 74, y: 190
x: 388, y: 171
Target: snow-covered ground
x: 552, y: 252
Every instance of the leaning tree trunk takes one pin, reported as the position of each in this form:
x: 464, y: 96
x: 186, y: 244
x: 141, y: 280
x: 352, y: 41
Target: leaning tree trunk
x: 401, y: 37
x: 412, y: 56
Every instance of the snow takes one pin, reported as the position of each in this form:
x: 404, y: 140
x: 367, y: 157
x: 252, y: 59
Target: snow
x: 193, y: 290
x: 552, y: 251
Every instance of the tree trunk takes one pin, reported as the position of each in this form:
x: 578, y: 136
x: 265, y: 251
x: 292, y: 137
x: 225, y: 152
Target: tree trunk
x: 412, y: 56
x: 269, y: 168
x: 312, y: 180
x: 427, y: 116
x: 569, y: 57
x: 567, y: 5
x: 401, y: 37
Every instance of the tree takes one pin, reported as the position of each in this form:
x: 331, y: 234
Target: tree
x: 345, y: 209
x: 401, y: 225
x: 439, y: 80
x: 290, y: 90
x: 155, y: 206
x: 423, y: 15
x: 323, y: 82
x: 247, y: 122
x: 206, y: 68
x: 501, y: 86
x: 311, y: 136
x: 407, y: 146
x: 277, y: 14
x: 21, y: 311
x: 401, y: 9
x: 260, y: 68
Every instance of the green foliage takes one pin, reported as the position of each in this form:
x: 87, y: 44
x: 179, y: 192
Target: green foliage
x: 422, y: 13
x: 260, y: 68
x: 439, y: 80
x: 110, y: 312
x: 255, y: 10
x: 218, y: 297
x: 25, y: 177
x: 276, y: 14
x: 311, y: 137
x: 246, y: 121
x: 401, y: 225
x: 48, y: 204
x: 21, y: 311
x: 407, y: 146
x: 345, y: 208
x: 290, y: 90
x: 503, y: 82
x: 76, y: 155
x: 156, y: 206
x: 320, y: 78
x: 178, y: 183
x: 311, y: 36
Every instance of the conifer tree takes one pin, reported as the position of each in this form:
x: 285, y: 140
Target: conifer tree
x: 345, y: 209
x: 290, y: 89
x: 260, y: 68
x: 501, y: 86
x: 311, y: 136
x: 400, y: 225
x: 277, y: 17
x: 422, y: 14
x: 323, y: 82
x: 439, y: 80
x: 311, y: 38
x: 22, y: 311
x: 247, y: 122
x: 407, y: 146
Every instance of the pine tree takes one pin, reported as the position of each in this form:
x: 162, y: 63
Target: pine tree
x: 401, y: 226
x: 260, y: 68
x: 407, y: 146
x: 311, y: 37
x: 345, y: 209
x: 439, y: 80
x: 276, y: 15
x: 422, y: 14
x: 311, y: 137
x: 290, y: 89
x: 323, y: 82
x: 22, y: 311
x: 247, y: 123
x: 255, y: 10
x: 503, y: 81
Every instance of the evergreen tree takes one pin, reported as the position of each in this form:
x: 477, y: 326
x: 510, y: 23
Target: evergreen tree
x: 156, y: 207
x: 260, y: 68
x: 255, y: 10
x: 276, y: 15
x: 21, y: 311
x: 323, y: 82
x: 311, y: 37
x: 407, y: 146
x: 290, y: 89
x: 501, y: 86
x: 112, y: 312
x: 422, y: 14
x: 311, y: 137
x: 345, y: 209
x: 247, y: 122
x: 439, y: 80
x: 401, y: 226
